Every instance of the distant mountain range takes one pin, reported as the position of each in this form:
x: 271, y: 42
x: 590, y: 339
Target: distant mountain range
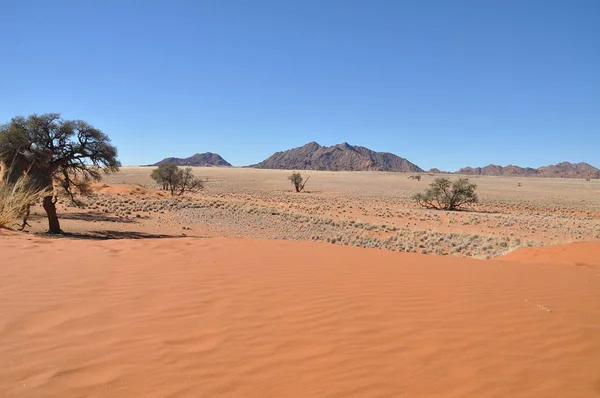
x: 560, y: 170
x: 199, y: 159
x: 313, y: 156
x: 346, y: 157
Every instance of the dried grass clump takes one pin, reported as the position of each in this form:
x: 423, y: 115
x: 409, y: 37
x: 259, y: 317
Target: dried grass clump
x: 15, y: 200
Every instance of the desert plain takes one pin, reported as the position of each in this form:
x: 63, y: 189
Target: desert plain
x: 248, y: 289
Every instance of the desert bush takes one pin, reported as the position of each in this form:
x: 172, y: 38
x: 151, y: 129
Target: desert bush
x: 298, y: 181
x: 444, y: 194
x: 15, y: 201
x: 175, y: 180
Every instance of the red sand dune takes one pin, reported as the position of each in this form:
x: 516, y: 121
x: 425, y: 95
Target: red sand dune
x: 580, y: 254
x: 245, y: 318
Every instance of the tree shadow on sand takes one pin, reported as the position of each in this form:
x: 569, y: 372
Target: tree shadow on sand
x: 481, y: 211
x: 96, y: 216
x: 107, y: 234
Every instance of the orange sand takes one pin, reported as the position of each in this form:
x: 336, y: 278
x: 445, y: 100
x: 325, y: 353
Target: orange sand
x: 580, y: 253
x: 130, y: 189
x: 245, y: 318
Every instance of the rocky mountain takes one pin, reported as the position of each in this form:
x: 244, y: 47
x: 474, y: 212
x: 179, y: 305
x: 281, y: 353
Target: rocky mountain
x: 569, y: 170
x: 561, y: 170
x: 494, y: 170
x: 313, y: 156
x: 199, y: 159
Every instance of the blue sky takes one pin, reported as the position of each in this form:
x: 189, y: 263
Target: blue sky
x: 442, y: 83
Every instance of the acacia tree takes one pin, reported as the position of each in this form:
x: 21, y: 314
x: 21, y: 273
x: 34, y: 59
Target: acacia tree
x: 175, y: 180
x: 164, y: 174
x: 298, y: 181
x: 444, y: 194
x: 55, y: 154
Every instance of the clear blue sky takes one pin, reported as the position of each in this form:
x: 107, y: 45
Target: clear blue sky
x: 442, y: 83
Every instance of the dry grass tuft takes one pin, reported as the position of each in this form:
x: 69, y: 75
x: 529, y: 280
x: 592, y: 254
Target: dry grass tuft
x: 14, y: 201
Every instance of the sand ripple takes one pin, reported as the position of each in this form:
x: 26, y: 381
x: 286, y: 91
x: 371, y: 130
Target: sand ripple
x: 244, y: 318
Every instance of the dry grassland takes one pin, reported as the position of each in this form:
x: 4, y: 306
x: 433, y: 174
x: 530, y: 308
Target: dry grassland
x: 364, y: 209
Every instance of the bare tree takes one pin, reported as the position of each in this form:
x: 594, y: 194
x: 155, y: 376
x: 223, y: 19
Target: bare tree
x: 175, y: 180
x: 298, y: 181
x: 443, y: 194
x: 186, y: 182
x: 70, y: 153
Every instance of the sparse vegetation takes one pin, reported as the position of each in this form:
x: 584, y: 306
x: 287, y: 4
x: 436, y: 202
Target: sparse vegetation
x: 371, y: 216
x: 67, y: 154
x: 175, y: 180
x: 298, y: 181
x: 444, y: 194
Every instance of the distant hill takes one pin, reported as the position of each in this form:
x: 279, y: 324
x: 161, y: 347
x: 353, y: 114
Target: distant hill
x: 199, y: 159
x: 313, y: 156
x: 561, y: 170
x: 436, y: 171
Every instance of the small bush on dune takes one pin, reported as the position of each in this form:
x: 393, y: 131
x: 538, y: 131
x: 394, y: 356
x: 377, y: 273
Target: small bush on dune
x: 15, y: 201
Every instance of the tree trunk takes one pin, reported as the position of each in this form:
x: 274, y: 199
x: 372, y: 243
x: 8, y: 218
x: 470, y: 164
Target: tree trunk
x: 53, y: 224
